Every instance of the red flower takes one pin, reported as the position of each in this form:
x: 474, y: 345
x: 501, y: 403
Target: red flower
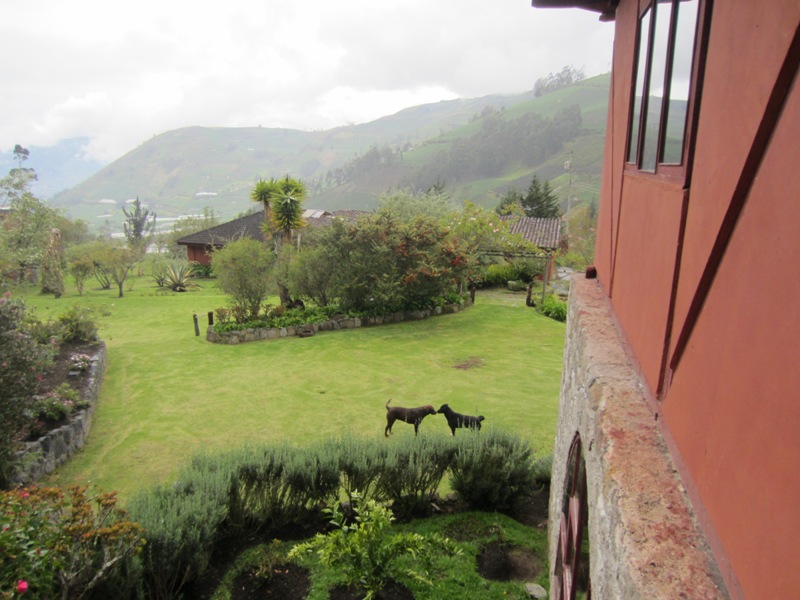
x: 22, y: 586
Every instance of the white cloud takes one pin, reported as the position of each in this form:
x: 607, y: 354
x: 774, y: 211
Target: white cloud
x: 121, y: 72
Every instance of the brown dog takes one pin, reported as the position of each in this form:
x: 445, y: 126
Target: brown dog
x: 407, y: 415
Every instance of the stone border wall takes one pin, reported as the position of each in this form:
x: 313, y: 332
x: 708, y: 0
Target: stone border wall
x: 41, y: 457
x: 644, y: 540
x: 264, y: 333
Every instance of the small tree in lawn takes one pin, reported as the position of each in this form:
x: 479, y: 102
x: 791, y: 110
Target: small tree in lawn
x: 79, y: 265
x: 244, y: 272
x: 119, y: 264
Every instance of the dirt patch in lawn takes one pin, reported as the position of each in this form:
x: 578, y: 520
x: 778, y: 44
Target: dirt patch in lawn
x: 470, y: 363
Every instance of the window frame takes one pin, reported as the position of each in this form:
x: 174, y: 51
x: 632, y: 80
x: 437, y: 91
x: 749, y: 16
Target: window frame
x: 674, y: 171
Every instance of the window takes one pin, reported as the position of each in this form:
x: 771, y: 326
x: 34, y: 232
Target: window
x: 662, y: 89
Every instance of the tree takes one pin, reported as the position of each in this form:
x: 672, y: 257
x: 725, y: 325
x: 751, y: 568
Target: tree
x: 567, y: 76
x: 139, y: 227
x: 26, y: 229
x: 52, y: 271
x: 21, y: 154
x: 79, y: 265
x: 283, y: 214
x: 119, y: 263
x: 406, y: 205
x: 540, y: 201
x: 243, y: 269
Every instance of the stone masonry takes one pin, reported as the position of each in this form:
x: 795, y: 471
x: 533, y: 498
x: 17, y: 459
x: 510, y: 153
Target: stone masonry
x: 644, y: 539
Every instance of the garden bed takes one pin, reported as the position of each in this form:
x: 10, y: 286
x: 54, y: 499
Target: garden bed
x: 307, y: 330
x: 56, y: 441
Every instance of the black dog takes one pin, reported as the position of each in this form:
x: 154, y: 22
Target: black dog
x: 408, y: 415
x: 456, y: 420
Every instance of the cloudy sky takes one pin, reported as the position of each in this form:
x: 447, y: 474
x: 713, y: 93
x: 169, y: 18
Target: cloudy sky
x: 120, y: 71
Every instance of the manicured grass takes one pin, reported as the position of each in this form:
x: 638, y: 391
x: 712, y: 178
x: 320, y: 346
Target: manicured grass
x: 168, y: 394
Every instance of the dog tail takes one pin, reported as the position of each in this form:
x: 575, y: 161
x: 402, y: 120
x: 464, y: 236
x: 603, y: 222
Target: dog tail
x: 387, y: 403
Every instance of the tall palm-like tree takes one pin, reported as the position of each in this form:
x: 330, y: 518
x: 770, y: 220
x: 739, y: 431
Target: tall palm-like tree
x: 262, y: 193
x: 282, y: 200
x: 287, y: 207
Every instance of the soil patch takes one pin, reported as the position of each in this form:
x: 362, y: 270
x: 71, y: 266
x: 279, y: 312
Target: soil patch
x: 59, y: 371
x: 283, y: 582
x: 471, y: 363
x: 501, y: 561
x: 393, y: 590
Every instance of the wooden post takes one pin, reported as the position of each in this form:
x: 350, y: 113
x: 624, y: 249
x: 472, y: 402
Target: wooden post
x: 210, y: 318
x: 196, y: 325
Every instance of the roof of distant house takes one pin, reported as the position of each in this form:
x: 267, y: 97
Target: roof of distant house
x: 544, y: 233
x: 249, y: 226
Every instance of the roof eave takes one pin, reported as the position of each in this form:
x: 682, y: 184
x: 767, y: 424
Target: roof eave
x: 606, y: 8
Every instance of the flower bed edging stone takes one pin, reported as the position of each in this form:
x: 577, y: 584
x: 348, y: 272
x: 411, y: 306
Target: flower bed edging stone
x: 265, y: 333
x: 42, y: 456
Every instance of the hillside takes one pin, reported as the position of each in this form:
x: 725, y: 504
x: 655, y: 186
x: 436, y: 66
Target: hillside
x: 182, y: 171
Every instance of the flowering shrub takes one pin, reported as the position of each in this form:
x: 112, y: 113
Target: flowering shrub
x: 58, y: 543
x: 80, y: 362
x: 22, y: 362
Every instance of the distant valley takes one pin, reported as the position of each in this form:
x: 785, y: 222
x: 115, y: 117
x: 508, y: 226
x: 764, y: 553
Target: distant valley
x: 477, y: 148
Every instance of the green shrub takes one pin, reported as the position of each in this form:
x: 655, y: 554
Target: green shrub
x: 554, y: 308
x: 201, y: 270
x: 499, y: 274
x: 490, y: 471
x: 365, y: 552
x: 80, y: 323
x: 361, y: 462
x: 58, y: 404
x: 277, y: 485
x: 517, y: 285
x: 413, y: 469
x: 44, y: 332
x: 181, y: 523
x: 542, y: 469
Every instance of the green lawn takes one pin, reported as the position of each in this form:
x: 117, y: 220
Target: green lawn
x: 168, y: 393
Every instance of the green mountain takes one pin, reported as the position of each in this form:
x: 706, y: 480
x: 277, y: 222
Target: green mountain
x: 477, y: 147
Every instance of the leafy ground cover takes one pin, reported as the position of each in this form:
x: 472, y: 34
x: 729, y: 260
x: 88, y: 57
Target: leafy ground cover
x: 497, y: 555
x: 169, y: 393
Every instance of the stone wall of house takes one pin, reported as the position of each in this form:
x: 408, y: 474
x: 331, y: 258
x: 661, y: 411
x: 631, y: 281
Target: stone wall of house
x: 264, y: 333
x: 644, y: 541
x: 42, y: 456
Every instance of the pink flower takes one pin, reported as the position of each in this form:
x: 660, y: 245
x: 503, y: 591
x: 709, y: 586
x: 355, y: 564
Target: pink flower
x: 22, y: 586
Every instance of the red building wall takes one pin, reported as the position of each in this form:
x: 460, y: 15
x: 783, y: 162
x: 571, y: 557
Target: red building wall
x: 722, y: 373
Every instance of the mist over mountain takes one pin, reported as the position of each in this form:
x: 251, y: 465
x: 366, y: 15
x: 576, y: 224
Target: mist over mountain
x: 476, y: 147
x: 58, y: 167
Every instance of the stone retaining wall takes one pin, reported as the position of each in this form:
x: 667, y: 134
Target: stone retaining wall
x: 644, y: 540
x: 264, y: 333
x: 41, y: 457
